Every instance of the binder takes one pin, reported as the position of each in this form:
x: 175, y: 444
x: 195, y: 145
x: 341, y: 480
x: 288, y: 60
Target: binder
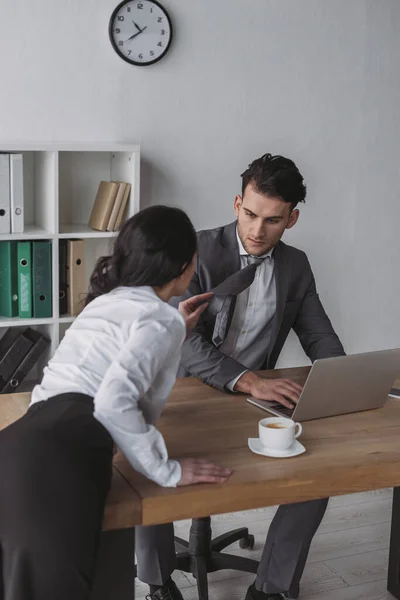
x: 8, y: 279
x: 62, y: 277
x: 117, y: 205
x: 24, y: 252
x: 122, y: 208
x: 5, y: 223
x: 41, y: 276
x: 103, y: 205
x: 14, y: 346
x: 39, y: 346
x: 76, y: 280
x: 16, y: 193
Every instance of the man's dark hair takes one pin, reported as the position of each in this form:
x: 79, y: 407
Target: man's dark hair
x: 275, y: 176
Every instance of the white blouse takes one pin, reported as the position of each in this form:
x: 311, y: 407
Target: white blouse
x: 123, y: 350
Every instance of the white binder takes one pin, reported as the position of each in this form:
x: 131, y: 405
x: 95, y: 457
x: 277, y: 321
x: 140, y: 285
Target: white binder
x: 5, y: 223
x: 17, y: 193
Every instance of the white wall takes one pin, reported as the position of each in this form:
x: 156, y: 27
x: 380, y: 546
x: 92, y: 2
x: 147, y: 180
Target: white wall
x: 316, y: 80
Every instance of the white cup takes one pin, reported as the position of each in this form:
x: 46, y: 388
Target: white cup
x: 278, y: 433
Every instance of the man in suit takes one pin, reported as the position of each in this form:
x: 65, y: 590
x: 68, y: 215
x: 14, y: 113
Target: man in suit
x: 245, y: 335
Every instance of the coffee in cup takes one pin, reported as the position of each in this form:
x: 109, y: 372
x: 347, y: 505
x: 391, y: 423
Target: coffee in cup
x: 278, y: 433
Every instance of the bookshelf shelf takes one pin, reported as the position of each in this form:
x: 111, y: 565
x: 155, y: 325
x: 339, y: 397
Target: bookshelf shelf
x: 32, y: 232
x: 66, y: 319
x: 17, y: 322
x: 82, y: 231
x: 60, y: 185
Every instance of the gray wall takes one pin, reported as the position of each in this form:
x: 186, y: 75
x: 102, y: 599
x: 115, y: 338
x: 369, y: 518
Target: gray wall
x: 316, y: 80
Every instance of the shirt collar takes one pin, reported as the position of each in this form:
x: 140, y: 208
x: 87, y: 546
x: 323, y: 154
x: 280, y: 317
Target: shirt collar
x: 243, y: 252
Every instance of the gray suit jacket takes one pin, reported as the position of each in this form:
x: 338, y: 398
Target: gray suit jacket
x: 298, y: 306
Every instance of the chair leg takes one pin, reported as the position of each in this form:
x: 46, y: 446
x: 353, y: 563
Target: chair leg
x: 393, y: 581
x: 181, y: 545
x: 199, y: 565
x: 220, y: 561
x: 184, y: 562
x: 226, y: 539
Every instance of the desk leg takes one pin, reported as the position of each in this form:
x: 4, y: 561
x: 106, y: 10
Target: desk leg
x: 393, y: 582
x: 116, y: 571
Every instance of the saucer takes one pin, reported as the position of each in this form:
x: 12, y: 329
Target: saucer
x: 295, y: 449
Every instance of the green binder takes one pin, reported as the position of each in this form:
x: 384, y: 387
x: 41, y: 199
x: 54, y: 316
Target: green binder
x: 24, y: 280
x: 41, y: 275
x: 8, y: 280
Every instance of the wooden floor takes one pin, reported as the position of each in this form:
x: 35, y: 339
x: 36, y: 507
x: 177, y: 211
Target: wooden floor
x: 347, y: 561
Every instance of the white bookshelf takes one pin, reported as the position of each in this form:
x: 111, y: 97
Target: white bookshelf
x: 60, y: 185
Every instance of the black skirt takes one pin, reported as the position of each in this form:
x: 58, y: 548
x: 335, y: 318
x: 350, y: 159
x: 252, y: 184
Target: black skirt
x: 55, y: 473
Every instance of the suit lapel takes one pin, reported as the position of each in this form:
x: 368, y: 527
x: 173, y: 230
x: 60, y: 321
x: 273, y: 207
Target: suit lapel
x: 282, y: 277
x: 230, y: 262
x: 230, y: 250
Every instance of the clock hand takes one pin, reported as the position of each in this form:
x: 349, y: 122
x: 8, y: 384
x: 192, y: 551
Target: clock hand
x: 135, y: 34
x: 137, y: 26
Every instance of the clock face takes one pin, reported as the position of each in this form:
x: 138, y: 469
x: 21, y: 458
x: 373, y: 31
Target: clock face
x: 140, y: 31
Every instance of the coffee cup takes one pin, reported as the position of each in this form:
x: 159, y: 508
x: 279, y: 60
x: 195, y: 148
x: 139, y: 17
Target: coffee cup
x: 278, y: 433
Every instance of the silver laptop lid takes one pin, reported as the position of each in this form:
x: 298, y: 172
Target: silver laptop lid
x: 344, y: 384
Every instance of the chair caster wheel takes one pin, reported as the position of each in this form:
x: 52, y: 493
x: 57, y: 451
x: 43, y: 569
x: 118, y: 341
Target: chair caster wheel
x: 247, y: 543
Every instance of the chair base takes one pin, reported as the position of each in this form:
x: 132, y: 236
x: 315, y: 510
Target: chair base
x: 202, y: 555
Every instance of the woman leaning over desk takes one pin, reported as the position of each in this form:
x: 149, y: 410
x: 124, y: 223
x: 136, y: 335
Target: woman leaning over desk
x: 108, y: 381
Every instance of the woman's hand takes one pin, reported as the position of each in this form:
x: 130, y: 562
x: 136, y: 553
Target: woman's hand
x: 200, y: 470
x: 192, y: 308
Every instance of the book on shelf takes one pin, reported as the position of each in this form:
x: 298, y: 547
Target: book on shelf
x: 11, y: 193
x: 119, y: 204
x: 8, y: 279
x: 122, y: 208
x: 109, y: 205
x: 42, y: 279
x: 76, y: 277
x: 62, y: 277
x: 20, y: 351
x: 5, y: 221
x: 17, y: 193
x: 14, y: 345
x: 25, y: 279
x: 24, y: 271
x: 103, y: 205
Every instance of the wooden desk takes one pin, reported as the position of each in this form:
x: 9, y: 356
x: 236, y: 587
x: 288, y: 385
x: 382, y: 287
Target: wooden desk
x: 345, y: 454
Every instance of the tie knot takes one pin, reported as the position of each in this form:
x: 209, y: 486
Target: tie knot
x: 254, y: 260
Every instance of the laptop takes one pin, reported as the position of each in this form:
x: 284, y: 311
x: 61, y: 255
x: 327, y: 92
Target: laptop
x: 342, y: 385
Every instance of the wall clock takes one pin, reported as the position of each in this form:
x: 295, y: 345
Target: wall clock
x: 140, y: 31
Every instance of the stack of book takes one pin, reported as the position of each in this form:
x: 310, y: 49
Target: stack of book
x: 19, y: 352
x: 109, y: 206
x: 11, y: 193
x: 25, y: 279
x: 72, y: 277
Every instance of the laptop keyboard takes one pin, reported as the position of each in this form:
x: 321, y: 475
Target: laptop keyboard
x: 287, y: 412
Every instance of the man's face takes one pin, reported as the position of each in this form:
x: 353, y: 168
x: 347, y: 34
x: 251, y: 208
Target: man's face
x: 261, y: 220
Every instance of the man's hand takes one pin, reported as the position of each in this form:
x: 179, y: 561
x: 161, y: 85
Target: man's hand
x: 192, y: 308
x: 284, y: 391
x: 200, y: 470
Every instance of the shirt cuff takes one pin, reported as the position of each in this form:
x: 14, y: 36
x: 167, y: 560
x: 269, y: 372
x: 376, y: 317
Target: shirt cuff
x: 175, y: 474
x: 231, y: 384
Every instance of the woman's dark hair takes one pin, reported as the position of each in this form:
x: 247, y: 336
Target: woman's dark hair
x: 275, y: 176
x: 152, y: 248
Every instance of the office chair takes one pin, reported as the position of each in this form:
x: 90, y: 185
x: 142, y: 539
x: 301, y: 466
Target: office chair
x: 202, y: 555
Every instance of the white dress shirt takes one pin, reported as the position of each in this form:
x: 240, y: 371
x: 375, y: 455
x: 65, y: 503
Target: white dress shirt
x: 123, y: 350
x: 249, y: 334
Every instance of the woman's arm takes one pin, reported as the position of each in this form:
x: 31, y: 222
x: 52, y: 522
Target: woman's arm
x: 151, y: 344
